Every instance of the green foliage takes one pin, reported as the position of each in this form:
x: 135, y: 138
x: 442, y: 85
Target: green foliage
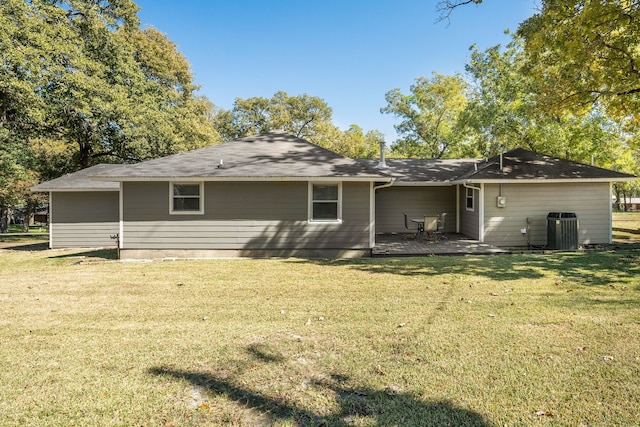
x: 429, y: 116
x: 585, y: 52
x: 300, y: 115
x: 82, y: 72
x: 504, y: 112
x: 305, y: 116
x: 353, y: 142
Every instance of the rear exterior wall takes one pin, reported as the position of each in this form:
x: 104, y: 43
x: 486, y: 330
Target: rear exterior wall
x: 527, y: 207
x: 83, y: 219
x: 242, y: 216
x: 416, y: 202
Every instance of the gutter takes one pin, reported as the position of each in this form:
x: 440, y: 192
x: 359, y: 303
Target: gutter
x: 465, y: 185
x: 385, y: 185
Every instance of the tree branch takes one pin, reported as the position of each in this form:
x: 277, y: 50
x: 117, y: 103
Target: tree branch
x: 446, y: 7
x: 303, y: 126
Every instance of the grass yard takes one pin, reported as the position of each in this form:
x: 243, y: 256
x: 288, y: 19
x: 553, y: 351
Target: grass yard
x: 626, y: 226
x: 460, y: 341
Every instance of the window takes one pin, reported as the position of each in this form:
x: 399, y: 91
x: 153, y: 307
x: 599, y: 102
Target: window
x: 470, y: 199
x: 325, y: 202
x: 186, y: 198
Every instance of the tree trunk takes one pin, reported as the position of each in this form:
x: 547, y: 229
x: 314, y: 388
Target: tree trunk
x: 28, y: 214
x: 4, y: 219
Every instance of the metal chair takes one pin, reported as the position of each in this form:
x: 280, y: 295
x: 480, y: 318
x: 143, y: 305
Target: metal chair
x: 441, y: 219
x: 419, y: 225
x: 439, y: 233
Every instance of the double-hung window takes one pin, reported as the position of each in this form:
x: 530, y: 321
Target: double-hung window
x: 470, y: 200
x: 325, y: 202
x: 186, y: 198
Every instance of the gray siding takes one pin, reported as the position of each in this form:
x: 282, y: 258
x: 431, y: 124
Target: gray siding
x: 590, y: 201
x: 391, y: 202
x: 84, y: 219
x: 242, y: 216
x: 469, y: 220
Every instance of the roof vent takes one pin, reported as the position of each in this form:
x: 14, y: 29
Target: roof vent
x: 221, y: 164
x: 382, y: 164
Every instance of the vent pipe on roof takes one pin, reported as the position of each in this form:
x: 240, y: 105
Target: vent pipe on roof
x: 500, y: 162
x: 382, y: 164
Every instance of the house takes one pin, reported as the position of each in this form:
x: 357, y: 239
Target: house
x: 278, y: 195
x: 82, y: 212
x: 630, y: 204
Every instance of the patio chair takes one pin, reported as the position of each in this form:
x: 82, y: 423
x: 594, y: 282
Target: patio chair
x: 419, y: 225
x: 439, y: 233
x: 441, y: 219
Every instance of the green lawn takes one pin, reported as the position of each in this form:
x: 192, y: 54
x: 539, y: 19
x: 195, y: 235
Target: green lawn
x: 499, y: 340
x: 626, y: 226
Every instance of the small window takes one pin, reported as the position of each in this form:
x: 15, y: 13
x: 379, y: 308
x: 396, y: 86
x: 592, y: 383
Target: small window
x: 325, y: 202
x: 470, y: 204
x: 186, y: 198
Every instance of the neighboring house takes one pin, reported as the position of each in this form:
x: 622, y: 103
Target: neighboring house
x: 630, y: 204
x: 278, y: 195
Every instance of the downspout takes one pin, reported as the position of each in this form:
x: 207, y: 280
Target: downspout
x: 481, y: 212
x: 457, y: 209
x: 385, y: 185
x: 50, y: 219
x: 610, y: 213
x: 121, y: 218
x: 471, y: 186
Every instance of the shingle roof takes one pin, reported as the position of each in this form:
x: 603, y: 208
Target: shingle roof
x: 521, y: 164
x: 425, y: 170
x: 277, y: 155
x: 270, y: 155
x: 79, y: 180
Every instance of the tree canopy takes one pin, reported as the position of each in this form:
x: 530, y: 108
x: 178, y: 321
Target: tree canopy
x: 585, y: 52
x: 305, y: 116
x: 83, y: 72
x: 429, y: 116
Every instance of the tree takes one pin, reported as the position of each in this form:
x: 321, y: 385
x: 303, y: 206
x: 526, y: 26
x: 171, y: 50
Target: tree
x: 305, y: 116
x: 586, y: 52
x: 503, y: 113
x: 82, y: 73
x: 353, y: 142
x: 429, y: 116
x: 581, y: 53
x: 300, y: 115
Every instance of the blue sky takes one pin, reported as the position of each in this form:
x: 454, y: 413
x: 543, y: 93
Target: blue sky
x: 347, y: 52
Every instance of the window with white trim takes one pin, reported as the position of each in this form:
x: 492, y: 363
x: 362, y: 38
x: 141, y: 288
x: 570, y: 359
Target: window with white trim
x: 325, y: 202
x: 470, y: 199
x: 186, y: 198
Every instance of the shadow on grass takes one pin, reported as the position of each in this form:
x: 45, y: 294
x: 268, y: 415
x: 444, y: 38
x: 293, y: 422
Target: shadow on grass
x: 590, y: 267
x: 264, y: 353
x: 384, y: 407
x: 24, y: 246
x: 105, y: 254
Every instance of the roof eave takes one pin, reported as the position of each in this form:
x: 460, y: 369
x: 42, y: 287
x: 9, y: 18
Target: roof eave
x: 244, y: 178
x: 70, y: 190
x: 543, y: 180
x: 400, y: 183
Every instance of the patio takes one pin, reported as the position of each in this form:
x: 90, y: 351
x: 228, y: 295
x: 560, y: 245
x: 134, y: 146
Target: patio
x: 435, y: 244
